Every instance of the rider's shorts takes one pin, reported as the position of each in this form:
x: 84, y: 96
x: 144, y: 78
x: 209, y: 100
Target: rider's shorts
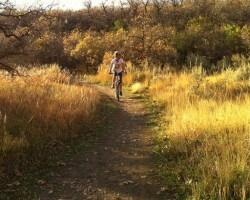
x: 118, y: 74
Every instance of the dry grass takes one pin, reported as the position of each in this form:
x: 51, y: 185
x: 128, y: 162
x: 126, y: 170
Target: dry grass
x: 39, y: 111
x: 214, y: 139
x: 137, y: 88
x: 209, y: 126
x: 208, y: 123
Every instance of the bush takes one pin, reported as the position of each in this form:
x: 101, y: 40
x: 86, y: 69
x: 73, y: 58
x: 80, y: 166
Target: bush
x: 48, y: 48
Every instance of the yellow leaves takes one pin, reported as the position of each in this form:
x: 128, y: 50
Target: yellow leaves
x: 245, y: 32
x: 70, y: 41
x: 46, y: 44
x: 89, y: 48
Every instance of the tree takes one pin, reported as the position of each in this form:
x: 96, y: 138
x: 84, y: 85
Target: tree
x: 43, y: 51
x: 15, y: 27
x: 89, y: 51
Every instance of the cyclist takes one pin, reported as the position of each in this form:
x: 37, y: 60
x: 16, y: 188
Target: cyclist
x: 117, y: 67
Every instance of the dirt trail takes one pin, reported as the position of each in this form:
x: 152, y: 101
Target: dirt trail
x: 119, y: 165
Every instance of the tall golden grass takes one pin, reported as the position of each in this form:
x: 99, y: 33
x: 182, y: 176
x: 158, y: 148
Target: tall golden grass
x: 39, y: 110
x: 208, y: 124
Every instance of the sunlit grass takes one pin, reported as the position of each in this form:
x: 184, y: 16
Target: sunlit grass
x: 209, y: 128
x: 38, y: 110
x: 137, y: 88
x: 214, y: 138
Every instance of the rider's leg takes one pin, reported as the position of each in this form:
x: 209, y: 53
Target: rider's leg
x: 121, y: 89
x: 113, y: 81
x: 121, y: 84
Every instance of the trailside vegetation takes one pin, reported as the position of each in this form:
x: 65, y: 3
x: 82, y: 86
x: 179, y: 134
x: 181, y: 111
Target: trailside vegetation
x: 40, y: 112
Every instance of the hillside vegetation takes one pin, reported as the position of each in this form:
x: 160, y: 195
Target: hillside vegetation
x: 39, y: 112
x: 176, y: 34
x: 205, y: 136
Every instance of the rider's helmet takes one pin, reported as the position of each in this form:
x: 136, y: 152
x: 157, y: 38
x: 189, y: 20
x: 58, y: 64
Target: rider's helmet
x: 117, y: 53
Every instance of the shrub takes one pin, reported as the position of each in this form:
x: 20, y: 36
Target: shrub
x: 89, y: 51
x: 43, y: 51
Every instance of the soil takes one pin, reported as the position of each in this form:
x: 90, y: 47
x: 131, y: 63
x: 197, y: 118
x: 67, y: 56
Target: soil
x: 119, y: 166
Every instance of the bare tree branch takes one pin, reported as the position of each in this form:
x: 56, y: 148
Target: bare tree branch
x: 14, y: 26
x: 8, y: 68
x: 104, y: 7
x: 88, y: 5
x: 145, y: 4
x: 133, y: 6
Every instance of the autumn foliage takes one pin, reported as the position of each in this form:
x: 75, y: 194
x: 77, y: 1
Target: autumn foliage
x: 180, y: 34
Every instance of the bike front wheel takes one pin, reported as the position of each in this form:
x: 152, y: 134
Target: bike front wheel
x: 117, y: 92
x: 117, y: 95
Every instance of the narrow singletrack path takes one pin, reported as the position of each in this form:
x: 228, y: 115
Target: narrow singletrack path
x: 119, y: 166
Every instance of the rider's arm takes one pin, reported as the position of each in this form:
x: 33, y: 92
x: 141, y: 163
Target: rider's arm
x: 110, y: 68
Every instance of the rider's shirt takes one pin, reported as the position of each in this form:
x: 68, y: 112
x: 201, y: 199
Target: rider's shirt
x: 117, y: 65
